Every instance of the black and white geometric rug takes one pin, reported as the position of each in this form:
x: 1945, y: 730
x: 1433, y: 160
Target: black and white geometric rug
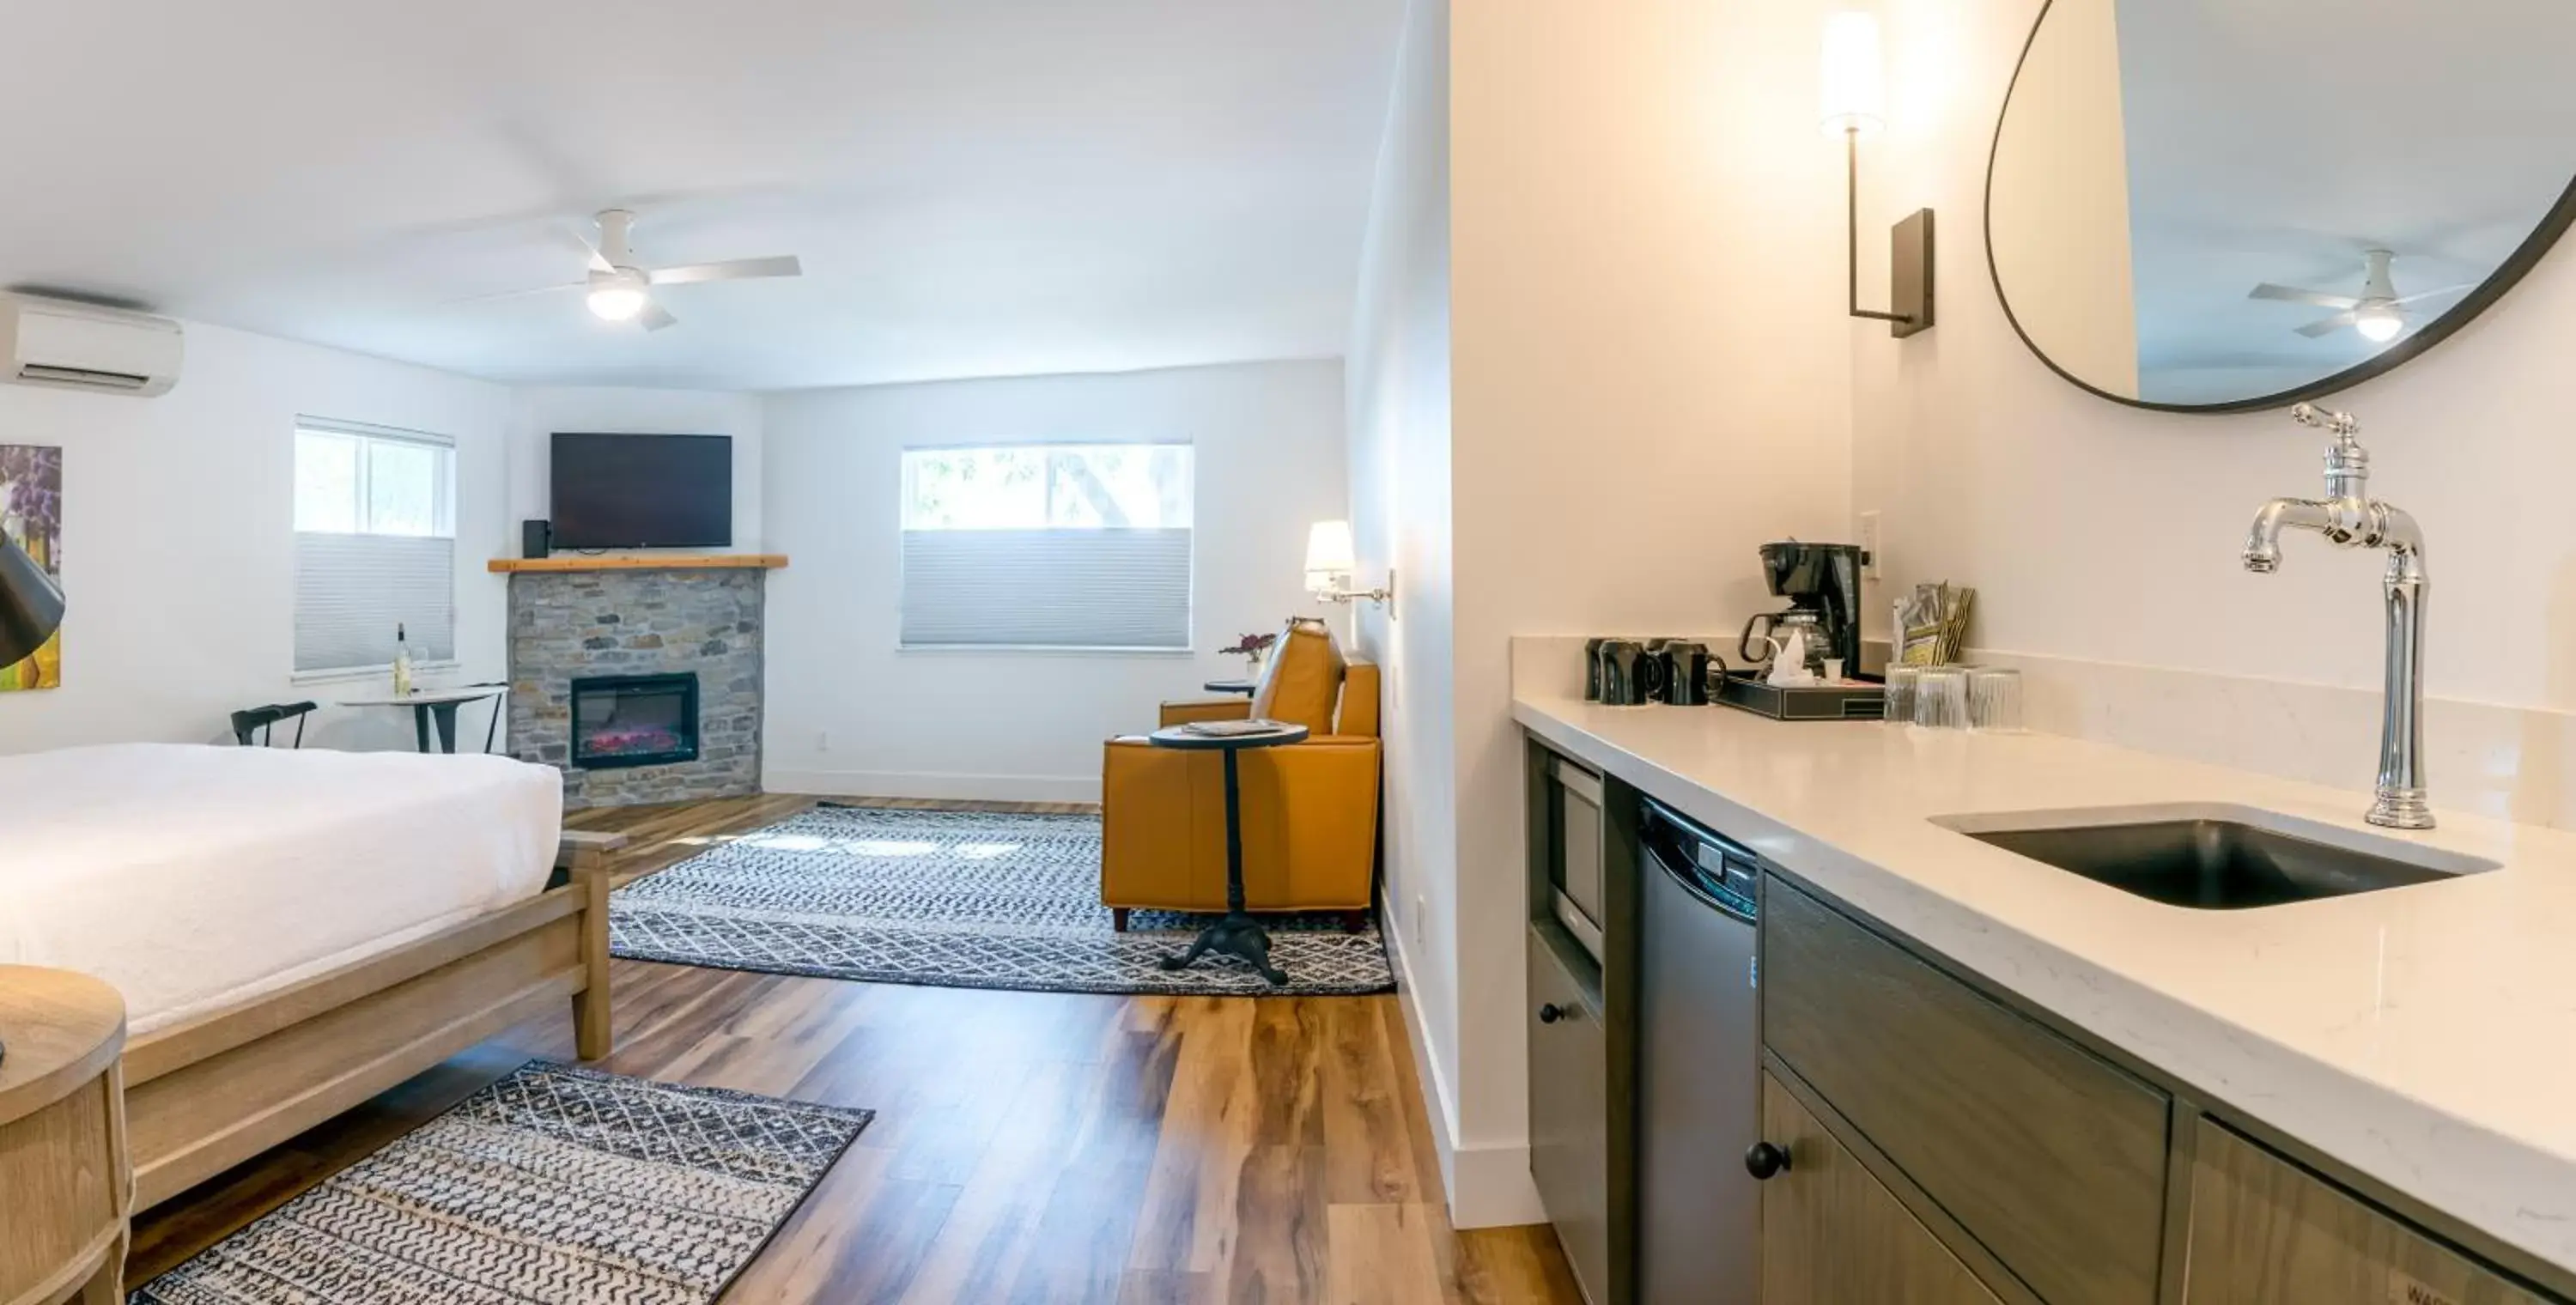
x: 554, y: 1186
x: 956, y: 899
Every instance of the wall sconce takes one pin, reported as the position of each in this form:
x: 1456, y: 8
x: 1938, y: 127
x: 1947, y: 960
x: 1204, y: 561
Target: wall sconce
x: 1331, y: 557
x: 1854, y: 105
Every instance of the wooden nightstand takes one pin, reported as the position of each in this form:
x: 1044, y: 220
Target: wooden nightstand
x: 65, y: 1188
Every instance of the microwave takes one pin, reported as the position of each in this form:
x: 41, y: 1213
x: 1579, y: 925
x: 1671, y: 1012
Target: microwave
x: 1576, y: 832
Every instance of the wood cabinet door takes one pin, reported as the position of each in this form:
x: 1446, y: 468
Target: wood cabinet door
x: 1569, y: 1107
x: 2049, y: 1156
x: 1832, y: 1235
x: 2265, y: 1232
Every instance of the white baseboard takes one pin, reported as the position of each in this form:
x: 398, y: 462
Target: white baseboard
x: 1494, y: 1189
x: 1487, y: 1186
x: 1440, y: 1106
x: 963, y: 788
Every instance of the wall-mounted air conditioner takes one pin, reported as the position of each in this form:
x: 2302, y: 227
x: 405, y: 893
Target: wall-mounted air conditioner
x: 82, y: 347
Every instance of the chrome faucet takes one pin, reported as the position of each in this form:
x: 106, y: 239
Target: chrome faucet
x: 2348, y: 517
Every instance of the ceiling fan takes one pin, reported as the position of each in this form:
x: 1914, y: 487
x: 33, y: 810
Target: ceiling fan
x: 2378, y: 314
x: 620, y: 290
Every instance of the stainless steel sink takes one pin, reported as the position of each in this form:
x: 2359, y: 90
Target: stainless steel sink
x: 2214, y: 858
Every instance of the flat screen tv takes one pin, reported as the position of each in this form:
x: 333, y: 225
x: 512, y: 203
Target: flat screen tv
x: 642, y: 491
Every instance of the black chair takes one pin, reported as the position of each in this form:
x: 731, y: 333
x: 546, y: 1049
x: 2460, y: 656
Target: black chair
x: 263, y: 721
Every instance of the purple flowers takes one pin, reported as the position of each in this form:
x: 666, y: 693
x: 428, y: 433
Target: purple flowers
x: 32, y: 476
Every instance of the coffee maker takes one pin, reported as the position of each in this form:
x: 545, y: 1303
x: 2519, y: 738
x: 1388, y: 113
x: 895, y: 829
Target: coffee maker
x: 1822, y: 584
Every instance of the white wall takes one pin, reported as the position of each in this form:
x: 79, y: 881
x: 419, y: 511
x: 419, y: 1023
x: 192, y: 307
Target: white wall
x: 537, y: 412
x: 1399, y: 421
x: 1624, y: 193
x: 1624, y: 428
x: 178, y: 539
x: 2061, y: 200
x: 2102, y: 537
x: 848, y: 712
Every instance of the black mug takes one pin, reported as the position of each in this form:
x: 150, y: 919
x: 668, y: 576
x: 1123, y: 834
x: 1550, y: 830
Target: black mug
x: 1630, y: 676
x: 1686, y: 666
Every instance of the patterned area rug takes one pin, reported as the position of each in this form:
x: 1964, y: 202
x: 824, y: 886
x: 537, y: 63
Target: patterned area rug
x: 956, y: 899
x: 554, y: 1186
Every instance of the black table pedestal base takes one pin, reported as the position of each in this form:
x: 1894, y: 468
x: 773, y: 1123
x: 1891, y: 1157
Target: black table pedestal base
x: 1238, y: 934
x: 441, y: 714
x: 1235, y: 935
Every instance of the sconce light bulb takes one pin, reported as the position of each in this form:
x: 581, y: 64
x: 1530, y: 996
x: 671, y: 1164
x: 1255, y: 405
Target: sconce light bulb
x: 1852, y: 95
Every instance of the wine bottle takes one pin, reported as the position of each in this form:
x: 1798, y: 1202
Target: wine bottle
x: 402, y: 663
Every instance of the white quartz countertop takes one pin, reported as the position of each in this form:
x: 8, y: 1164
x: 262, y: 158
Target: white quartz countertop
x: 2423, y: 1035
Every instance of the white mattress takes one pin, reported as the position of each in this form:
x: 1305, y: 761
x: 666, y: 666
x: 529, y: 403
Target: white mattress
x: 194, y: 877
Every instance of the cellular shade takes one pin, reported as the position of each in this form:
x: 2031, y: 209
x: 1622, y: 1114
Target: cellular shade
x: 352, y: 591
x: 1047, y: 588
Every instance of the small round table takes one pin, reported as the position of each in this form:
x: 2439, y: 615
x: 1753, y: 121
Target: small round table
x: 1245, y: 687
x: 437, y: 707
x: 1238, y: 934
x: 63, y: 1171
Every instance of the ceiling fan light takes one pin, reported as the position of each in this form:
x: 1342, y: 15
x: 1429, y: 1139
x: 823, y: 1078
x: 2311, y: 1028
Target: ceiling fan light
x: 616, y: 303
x: 2379, y: 323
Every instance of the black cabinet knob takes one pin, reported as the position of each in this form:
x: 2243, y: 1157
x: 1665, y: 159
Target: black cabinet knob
x: 1550, y: 1013
x: 1762, y: 1160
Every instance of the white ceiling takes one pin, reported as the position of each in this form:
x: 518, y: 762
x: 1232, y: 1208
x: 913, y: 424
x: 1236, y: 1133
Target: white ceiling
x: 977, y: 187
x: 2278, y: 141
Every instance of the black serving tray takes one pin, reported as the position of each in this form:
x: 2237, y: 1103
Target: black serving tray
x: 1745, y: 690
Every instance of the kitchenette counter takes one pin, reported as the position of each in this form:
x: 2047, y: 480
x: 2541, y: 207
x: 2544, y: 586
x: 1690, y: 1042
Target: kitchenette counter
x: 2424, y: 1036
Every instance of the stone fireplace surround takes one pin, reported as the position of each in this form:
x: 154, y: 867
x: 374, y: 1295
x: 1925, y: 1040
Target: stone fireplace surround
x: 570, y: 624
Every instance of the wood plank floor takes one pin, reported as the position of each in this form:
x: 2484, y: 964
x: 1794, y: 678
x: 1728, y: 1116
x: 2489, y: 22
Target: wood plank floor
x: 1027, y: 1146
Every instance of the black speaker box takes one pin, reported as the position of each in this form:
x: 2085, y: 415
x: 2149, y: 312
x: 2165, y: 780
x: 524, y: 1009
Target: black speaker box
x: 536, y: 538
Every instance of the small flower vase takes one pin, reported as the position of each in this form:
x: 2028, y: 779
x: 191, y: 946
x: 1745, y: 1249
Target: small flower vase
x: 1252, y: 664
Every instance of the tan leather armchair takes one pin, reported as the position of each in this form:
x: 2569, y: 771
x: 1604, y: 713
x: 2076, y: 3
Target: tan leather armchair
x: 1309, y: 809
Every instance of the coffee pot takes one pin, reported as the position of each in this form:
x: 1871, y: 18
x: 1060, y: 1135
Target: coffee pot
x: 1794, y: 643
x: 1823, y: 585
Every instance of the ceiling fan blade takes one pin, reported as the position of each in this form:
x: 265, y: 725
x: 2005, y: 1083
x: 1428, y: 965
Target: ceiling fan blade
x: 2294, y: 295
x: 2436, y: 294
x: 2326, y: 326
x: 655, y: 317
x: 740, y: 269
x: 588, y: 248
x: 521, y: 294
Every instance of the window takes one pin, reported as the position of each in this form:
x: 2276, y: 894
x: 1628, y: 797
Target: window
x: 1047, y: 546
x: 375, y: 546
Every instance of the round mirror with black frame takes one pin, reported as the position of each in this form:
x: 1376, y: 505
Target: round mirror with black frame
x: 2211, y: 206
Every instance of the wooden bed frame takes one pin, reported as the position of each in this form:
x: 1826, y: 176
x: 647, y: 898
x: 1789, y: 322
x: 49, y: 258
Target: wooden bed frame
x: 209, y: 1093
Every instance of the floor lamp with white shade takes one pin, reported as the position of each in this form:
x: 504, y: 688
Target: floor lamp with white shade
x: 31, y: 609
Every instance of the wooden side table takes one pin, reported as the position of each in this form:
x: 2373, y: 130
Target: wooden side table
x: 66, y: 1189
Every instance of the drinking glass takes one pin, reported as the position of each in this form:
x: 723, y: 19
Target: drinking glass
x: 1900, y: 693
x: 1994, y: 700
x: 1941, y: 698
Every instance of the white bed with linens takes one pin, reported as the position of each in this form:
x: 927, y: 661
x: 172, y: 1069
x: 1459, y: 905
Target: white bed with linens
x: 196, y: 878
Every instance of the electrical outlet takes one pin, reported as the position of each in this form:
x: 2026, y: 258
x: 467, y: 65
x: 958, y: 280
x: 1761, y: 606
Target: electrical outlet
x: 1872, y: 545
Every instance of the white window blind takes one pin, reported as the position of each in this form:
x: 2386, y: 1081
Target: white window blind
x: 1048, y: 546
x: 375, y: 546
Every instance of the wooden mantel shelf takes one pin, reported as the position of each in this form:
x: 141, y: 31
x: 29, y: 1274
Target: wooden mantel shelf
x: 643, y: 562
